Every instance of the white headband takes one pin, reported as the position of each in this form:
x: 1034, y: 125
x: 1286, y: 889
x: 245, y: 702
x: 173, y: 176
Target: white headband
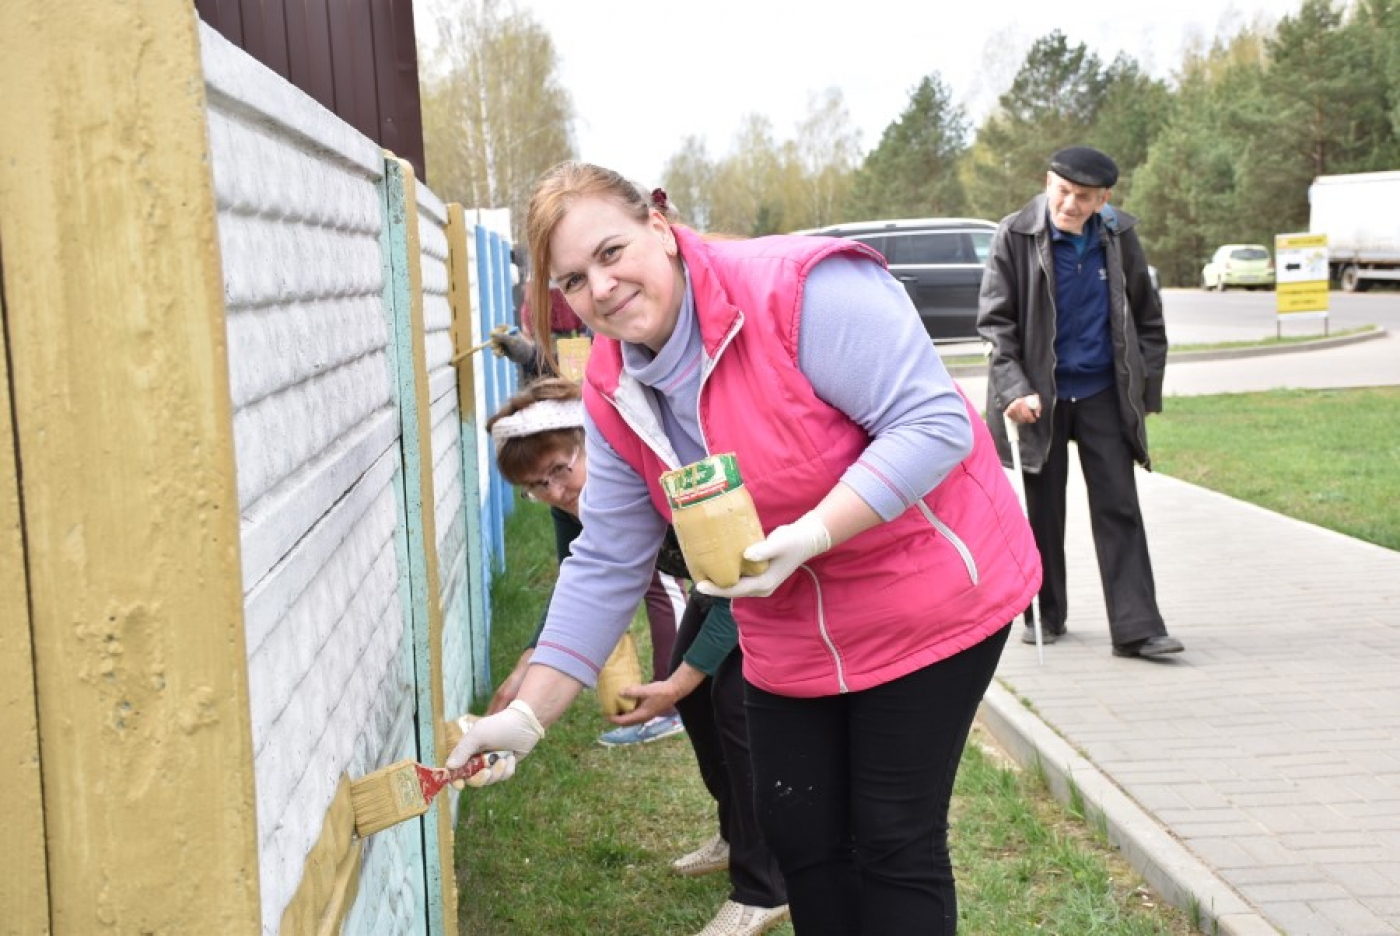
x: 541, y: 416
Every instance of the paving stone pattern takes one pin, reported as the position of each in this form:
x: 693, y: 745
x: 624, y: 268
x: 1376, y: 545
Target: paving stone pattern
x: 1271, y: 747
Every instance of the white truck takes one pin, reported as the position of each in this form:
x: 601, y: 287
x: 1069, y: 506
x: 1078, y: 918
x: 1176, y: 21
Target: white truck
x: 1360, y: 214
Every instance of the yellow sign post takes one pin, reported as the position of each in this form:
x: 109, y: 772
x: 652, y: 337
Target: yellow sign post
x: 1300, y: 280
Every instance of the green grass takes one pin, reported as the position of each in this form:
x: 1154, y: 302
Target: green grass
x: 580, y: 841
x: 1026, y: 865
x: 1330, y: 457
x: 965, y: 360
x: 1270, y: 342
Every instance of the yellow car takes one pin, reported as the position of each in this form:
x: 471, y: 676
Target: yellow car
x: 1248, y: 266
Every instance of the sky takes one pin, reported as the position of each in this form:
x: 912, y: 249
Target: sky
x: 645, y: 74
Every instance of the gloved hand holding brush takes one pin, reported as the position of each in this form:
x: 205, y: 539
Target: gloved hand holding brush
x: 507, y: 342
x: 514, y: 729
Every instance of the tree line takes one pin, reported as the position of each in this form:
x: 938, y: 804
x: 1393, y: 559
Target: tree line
x: 1222, y: 153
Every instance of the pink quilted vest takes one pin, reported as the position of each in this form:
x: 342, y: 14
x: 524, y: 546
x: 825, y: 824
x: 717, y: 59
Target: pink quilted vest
x: 941, y: 577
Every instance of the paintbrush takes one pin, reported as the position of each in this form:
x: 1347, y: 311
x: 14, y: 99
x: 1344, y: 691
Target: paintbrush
x: 498, y: 330
x: 405, y: 790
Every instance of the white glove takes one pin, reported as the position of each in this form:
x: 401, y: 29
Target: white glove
x: 786, y: 548
x: 514, y: 730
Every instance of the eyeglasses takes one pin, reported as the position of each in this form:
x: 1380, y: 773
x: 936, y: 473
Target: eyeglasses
x: 559, y: 474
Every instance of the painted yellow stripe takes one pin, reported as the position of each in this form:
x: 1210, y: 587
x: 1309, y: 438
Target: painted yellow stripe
x: 114, y: 308
x: 23, y: 873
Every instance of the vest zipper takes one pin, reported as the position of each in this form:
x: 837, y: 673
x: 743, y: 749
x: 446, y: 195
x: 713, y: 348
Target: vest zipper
x: 709, y: 366
x: 642, y: 428
x: 826, y: 637
x: 968, y: 562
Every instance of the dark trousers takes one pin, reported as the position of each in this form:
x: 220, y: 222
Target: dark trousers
x: 1120, y: 539
x: 716, y: 725
x: 853, y: 794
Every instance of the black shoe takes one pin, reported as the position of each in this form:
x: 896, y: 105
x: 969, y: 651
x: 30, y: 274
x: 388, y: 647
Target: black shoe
x: 1047, y: 636
x: 1151, y: 647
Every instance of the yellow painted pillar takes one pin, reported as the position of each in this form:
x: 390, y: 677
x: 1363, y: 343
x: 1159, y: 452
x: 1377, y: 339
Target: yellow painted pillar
x: 123, y: 440
x: 24, y: 902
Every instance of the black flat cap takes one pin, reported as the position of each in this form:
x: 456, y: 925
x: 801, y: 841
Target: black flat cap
x: 1084, y: 165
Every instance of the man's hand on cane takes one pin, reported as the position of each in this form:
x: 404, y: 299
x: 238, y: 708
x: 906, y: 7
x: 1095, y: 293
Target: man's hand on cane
x: 1024, y: 409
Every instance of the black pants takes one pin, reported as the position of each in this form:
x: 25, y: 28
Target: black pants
x: 716, y: 725
x: 853, y: 794
x: 1120, y: 539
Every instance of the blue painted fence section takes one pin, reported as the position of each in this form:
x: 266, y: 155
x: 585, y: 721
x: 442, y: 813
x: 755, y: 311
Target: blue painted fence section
x: 493, y: 291
x: 478, y: 600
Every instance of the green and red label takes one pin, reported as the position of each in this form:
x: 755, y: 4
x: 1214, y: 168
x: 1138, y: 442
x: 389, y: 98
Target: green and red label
x: 702, y: 480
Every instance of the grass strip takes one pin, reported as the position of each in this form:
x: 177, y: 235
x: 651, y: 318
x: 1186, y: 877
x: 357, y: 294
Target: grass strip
x: 581, y: 840
x: 1329, y: 457
x: 1273, y: 342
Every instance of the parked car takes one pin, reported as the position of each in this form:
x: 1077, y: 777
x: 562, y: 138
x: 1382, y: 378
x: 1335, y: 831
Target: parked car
x: 939, y: 261
x: 1246, y: 265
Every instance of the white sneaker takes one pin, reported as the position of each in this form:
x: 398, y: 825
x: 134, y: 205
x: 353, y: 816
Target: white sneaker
x: 707, y: 859
x: 736, y: 919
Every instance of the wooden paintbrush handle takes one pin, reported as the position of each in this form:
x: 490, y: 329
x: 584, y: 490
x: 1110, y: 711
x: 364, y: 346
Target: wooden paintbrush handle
x: 433, y: 779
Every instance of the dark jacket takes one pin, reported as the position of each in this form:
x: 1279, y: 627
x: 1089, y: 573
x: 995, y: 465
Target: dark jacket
x: 1016, y: 313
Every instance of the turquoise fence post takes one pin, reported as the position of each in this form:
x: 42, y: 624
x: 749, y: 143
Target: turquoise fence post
x: 399, y: 298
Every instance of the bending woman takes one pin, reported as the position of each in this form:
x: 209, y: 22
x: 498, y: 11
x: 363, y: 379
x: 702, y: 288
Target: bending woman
x: 538, y: 434
x: 897, y: 551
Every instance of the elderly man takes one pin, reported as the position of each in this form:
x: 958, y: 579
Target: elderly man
x: 1078, y: 352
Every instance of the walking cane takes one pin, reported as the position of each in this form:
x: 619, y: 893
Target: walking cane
x: 1013, y: 435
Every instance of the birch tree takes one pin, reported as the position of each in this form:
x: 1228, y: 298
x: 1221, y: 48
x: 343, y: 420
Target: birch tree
x: 495, y: 115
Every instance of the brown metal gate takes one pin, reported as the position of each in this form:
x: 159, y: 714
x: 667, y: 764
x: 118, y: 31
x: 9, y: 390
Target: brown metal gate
x: 358, y: 58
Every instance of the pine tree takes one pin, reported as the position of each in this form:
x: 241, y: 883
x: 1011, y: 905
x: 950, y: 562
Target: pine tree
x: 913, y: 172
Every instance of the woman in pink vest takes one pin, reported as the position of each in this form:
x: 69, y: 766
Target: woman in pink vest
x: 897, y: 554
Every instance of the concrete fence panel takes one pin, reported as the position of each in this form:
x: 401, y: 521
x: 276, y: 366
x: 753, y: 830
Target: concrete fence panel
x: 247, y: 518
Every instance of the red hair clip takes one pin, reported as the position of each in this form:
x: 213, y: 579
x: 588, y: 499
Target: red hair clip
x: 658, y: 199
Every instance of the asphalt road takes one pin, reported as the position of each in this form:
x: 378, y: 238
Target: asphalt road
x: 1195, y: 316
x: 1198, y: 317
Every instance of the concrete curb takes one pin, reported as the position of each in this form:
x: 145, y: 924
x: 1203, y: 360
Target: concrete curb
x: 1223, y: 354
x: 1316, y: 344
x: 1168, y: 866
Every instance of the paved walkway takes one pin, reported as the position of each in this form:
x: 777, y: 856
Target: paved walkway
x: 1257, y: 775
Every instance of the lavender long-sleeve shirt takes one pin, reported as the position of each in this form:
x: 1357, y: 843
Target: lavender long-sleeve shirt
x: 866, y: 353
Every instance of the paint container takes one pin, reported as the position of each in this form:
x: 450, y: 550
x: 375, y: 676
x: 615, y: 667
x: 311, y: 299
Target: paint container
x: 621, y: 670
x: 715, y: 519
